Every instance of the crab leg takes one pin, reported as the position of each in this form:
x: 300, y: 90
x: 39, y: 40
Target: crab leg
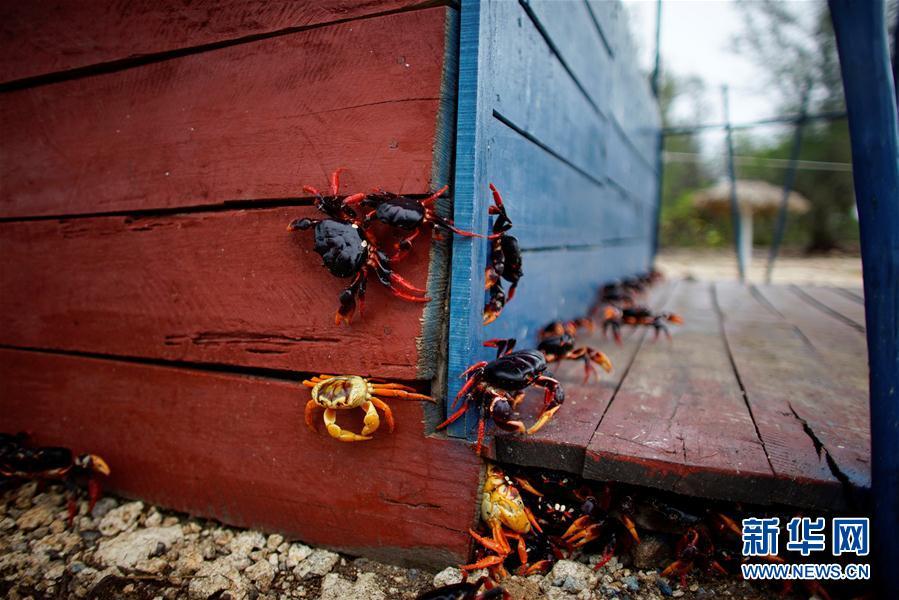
x: 388, y: 414
x: 335, y: 180
x: 310, y: 413
x: 455, y: 416
x: 521, y: 547
x: 430, y: 200
x: 484, y: 563
x: 372, y: 421
x: 402, y: 394
x: 336, y: 432
x: 468, y: 384
x: 606, y: 557
x: 491, y: 543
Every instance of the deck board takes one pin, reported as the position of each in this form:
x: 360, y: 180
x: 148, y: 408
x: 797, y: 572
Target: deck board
x: 562, y: 443
x: 235, y: 448
x: 679, y: 421
x: 759, y: 398
x: 285, y: 112
x: 244, y: 292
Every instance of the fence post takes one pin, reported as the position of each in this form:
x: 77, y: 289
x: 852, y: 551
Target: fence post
x: 868, y: 85
x: 789, y: 177
x: 732, y: 176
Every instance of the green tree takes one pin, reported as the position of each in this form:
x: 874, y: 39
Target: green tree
x: 797, y: 59
x: 680, y: 224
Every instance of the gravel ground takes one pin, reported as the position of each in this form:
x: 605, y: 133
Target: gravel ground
x: 130, y: 550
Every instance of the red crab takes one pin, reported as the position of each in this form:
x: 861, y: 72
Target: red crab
x: 497, y: 387
x: 557, y: 343
x: 638, y: 316
x: 20, y: 461
x: 349, y: 251
x: 405, y: 214
x: 505, y: 261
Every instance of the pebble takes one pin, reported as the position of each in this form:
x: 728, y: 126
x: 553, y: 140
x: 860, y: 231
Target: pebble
x: 125, y: 550
x: 448, y: 576
x: 320, y: 562
x: 274, y: 541
x: 297, y: 554
x: 121, y: 519
x: 631, y: 582
x: 197, y: 559
x: 261, y: 574
x: 664, y: 587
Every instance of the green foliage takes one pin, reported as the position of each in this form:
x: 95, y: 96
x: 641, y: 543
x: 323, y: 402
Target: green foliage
x: 797, y: 59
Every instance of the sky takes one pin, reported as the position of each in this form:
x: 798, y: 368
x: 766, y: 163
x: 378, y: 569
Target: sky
x: 698, y: 39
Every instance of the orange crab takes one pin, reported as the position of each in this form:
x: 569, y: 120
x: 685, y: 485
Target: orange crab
x: 345, y: 392
x: 504, y: 512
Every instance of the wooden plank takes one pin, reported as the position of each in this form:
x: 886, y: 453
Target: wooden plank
x: 841, y: 347
x: 230, y: 287
x: 579, y: 43
x: 235, y: 448
x: 834, y: 304
x: 569, y: 25
x: 39, y: 38
x: 285, y: 112
x: 530, y: 88
x: 786, y: 380
x: 518, y: 105
x: 562, y: 284
x: 856, y: 293
x: 549, y: 202
x: 679, y: 421
x: 821, y: 376
x: 562, y: 443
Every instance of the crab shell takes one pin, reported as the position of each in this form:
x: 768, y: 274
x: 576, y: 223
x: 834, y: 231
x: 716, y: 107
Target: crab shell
x: 342, y: 392
x: 501, y: 502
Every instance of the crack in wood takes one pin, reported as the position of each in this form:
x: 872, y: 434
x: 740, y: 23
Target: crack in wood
x: 733, y: 363
x: 814, y: 302
x: 211, y: 338
x: 821, y: 449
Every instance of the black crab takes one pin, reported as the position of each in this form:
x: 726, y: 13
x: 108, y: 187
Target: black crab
x: 497, y: 388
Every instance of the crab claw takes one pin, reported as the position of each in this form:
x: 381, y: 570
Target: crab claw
x: 98, y: 465
x: 676, y: 319
x: 300, y: 224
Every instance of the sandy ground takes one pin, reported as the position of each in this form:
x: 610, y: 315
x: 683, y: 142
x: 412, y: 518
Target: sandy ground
x: 721, y: 265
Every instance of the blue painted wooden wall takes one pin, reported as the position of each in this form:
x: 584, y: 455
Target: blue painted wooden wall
x: 555, y: 112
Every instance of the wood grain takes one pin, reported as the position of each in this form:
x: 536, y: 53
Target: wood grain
x: 229, y: 287
x: 550, y: 202
x: 532, y: 89
x: 679, y: 421
x: 834, y: 304
x: 803, y: 414
x: 247, y: 122
x: 235, y: 448
x: 832, y: 360
x: 527, y: 125
x: 839, y: 346
x: 39, y: 38
x: 562, y: 443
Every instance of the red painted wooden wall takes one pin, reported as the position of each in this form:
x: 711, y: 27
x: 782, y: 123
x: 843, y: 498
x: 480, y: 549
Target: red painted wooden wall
x: 154, y: 310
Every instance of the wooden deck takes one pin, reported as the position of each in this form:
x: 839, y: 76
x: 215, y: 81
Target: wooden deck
x: 761, y: 397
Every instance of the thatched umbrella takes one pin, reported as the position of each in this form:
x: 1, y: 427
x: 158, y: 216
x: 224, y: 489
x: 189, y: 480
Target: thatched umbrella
x: 753, y: 197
